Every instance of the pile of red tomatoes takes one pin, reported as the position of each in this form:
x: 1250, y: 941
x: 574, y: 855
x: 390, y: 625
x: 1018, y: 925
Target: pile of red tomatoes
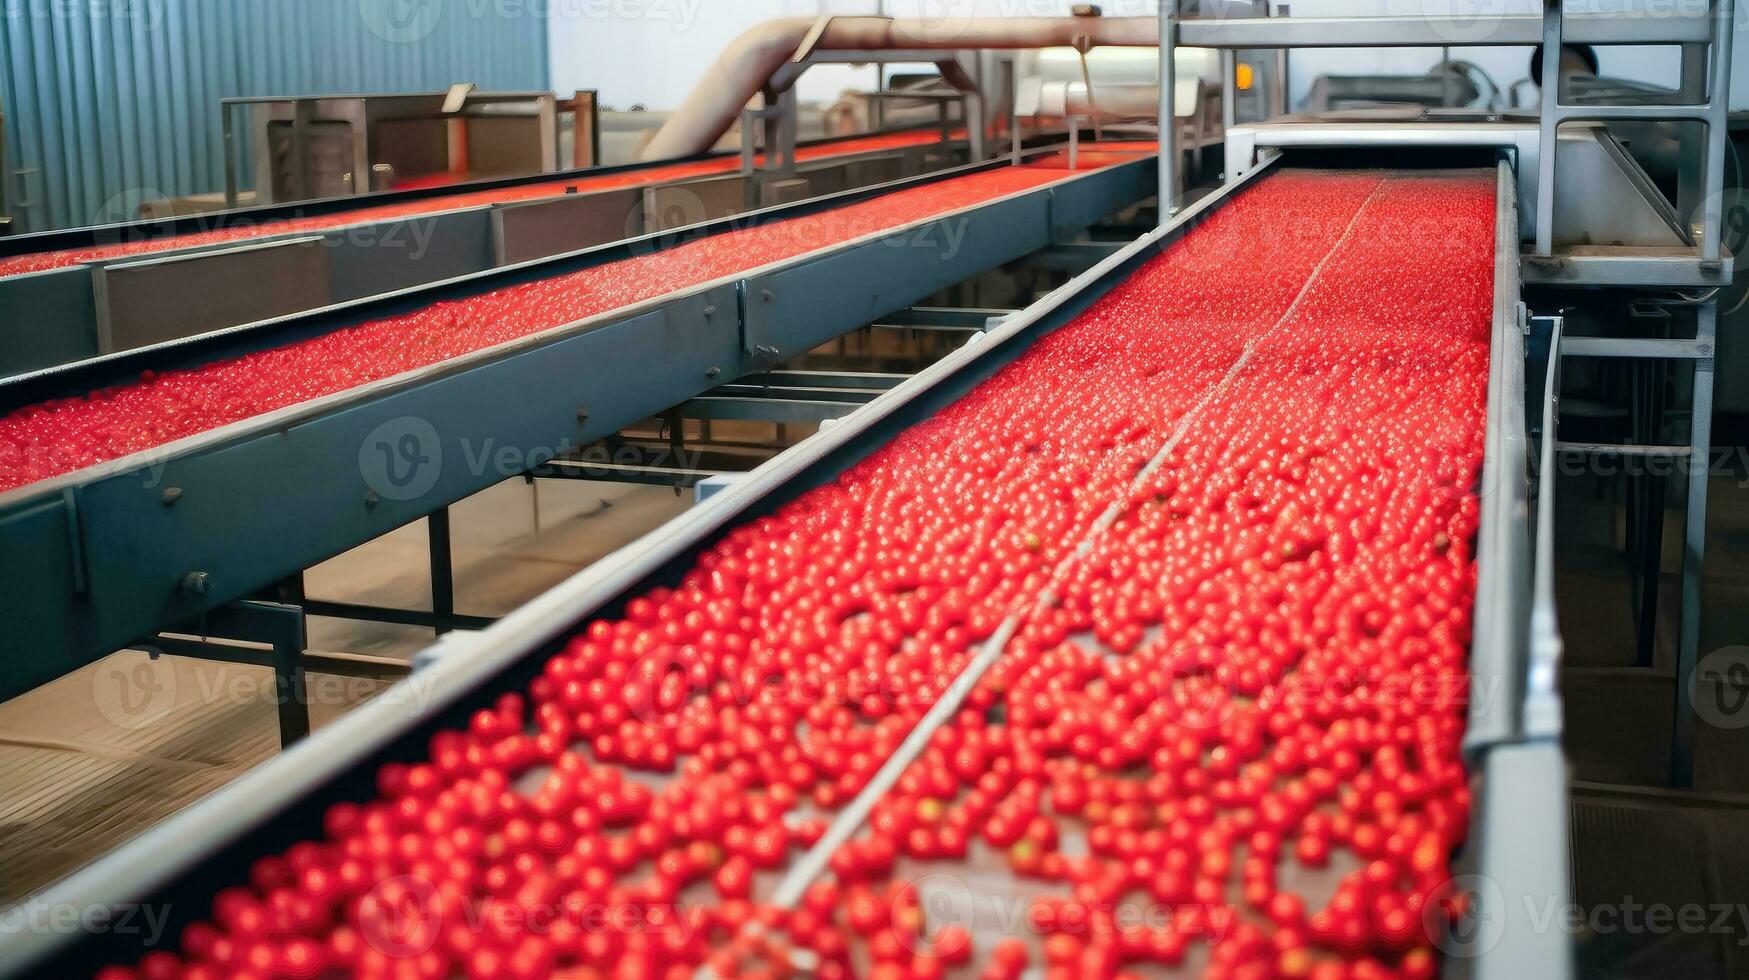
x: 1227, y: 516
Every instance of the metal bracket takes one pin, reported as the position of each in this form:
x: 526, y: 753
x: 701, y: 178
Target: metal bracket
x: 221, y: 634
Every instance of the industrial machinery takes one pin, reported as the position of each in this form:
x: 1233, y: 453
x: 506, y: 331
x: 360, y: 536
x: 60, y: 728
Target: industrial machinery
x: 983, y: 538
x: 308, y: 148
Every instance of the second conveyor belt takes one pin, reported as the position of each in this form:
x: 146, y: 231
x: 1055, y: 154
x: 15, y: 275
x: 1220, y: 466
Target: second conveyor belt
x: 52, y: 438
x: 1189, y: 583
x: 528, y: 191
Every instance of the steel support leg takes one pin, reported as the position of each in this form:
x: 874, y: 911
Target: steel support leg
x: 442, y: 573
x: 1694, y: 551
x: 290, y: 692
x: 1548, y: 127
x: 1168, y: 121
x: 1646, y: 492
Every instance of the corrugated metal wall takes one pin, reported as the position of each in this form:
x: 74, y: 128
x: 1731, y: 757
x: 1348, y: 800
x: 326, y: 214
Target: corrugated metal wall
x: 109, y: 102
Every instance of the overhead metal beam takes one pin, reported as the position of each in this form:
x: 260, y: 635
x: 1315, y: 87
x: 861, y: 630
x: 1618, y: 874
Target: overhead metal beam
x: 1456, y: 29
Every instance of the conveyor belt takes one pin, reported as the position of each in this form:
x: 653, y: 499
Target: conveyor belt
x: 48, y: 439
x: 41, y: 261
x: 1201, y: 563
x: 207, y: 519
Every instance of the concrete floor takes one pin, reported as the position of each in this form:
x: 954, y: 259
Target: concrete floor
x: 77, y: 782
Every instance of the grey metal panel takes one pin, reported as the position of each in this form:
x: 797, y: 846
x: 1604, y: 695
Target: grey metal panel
x: 874, y: 170
x: 1499, y: 648
x: 46, y: 318
x: 691, y: 202
x: 937, y: 156
x: 335, y: 480
x: 776, y: 192
x: 1522, y: 871
x: 43, y: 583
x: 537, y: 229
x: 1634, y: 347
x: 795, y: 308
x: 368, y: 260
x: 799, y: 307
x: 149, y: 301
x: 826, y: 179
x: 1603, y: 197
x: 1076, y: 206
x: 1602, y: 265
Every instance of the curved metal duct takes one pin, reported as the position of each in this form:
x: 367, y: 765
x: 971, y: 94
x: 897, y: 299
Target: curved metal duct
x: 749, y: 62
